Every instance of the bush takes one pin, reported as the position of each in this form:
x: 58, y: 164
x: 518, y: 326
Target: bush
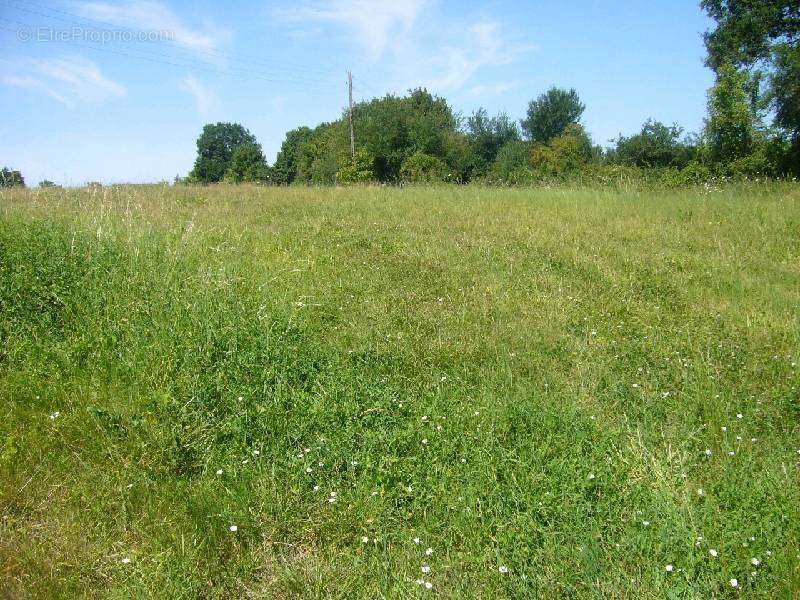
x: 10, y: 178
x: 565, y: 153
x: 359, y: 170
x: 423, y: 168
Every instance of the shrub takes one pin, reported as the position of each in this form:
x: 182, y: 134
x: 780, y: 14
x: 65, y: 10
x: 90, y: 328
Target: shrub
x: 423, y: 168
x: 10, y: 178
x: 358, y: 170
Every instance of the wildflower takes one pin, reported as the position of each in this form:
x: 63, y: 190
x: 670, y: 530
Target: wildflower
x: 731, y: 453
x: 354, y: 463
x: 503, y: 569
x: 739, y: 415
x: 331, y: 500
x: 55, y: 415
x: 700, y: 492
x: 428, y: 551
x: 416, y: 540
x: 734, y: 583
x: 219, y: 471
x: 126, y: 560
x: 365, y: 540
x: 755, y: 562
x: 424, y: 417
x: 307, y: 450
x: 316, y: 488
x: 463, y: 460
x: 438, y: 428
x: 426, y: 569
x: 309, y: 469
x: 425, y: 440
x: 428, y: 585
x: 646, y: 523
x: 256, y: 452
x: 724, y: 429
x: 333, y: 494
x: 669, y: 568
x: 590, y: 477
x: 375, y: 493
x: 234, y: 528
x: 708, y: 452
x: 713, y: 552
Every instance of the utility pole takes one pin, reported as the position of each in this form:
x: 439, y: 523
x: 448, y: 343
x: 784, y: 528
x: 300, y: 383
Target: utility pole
x: 350, y: 113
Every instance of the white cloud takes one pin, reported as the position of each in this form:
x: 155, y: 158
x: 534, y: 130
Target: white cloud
x: 204, y: 98
x: 68, y: 79
x: 485, y: 44
x: 373, y: 22
x: 415, y: 43
x: 153, y: 16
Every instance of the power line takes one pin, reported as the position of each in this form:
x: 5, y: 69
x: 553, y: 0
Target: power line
x: 176, y: 45
x: 189, y: 65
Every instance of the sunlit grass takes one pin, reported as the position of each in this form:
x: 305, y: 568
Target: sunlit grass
x: 235, y: 391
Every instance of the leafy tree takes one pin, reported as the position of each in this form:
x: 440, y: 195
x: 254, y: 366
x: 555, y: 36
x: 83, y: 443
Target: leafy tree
x: 10, y: 178
x: 757, y: 36
x: 358, y: 170
x: 285, y: 168
x: 565, y: 153
x: 393, y: 128
x: 247, y: 165
x: 215, y: 148
x: 423, y: 168
x: 657, y: 145
x: 730, y: 128
x: 46, y: 183
x: 486, y: 135
x: 511, y: 158
x: 550, y: 114
x: 786, y: 86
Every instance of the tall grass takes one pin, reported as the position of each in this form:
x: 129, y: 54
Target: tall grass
x: 557, y: 392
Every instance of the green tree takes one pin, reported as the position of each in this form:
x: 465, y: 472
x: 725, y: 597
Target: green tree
x: 486, y: 135
x: 285, y: 167
x: 512, y: 158
x: 550, y: 114
x: 10, y: 178
x: 423, y: 168
x: 247, y: 165
x: 656, y: 145
x: 46, y: 183
x: 761, y: 37
x: 730, y: 128
x: 358, y: 170
x: 215, y: 148
x: 565, y: 153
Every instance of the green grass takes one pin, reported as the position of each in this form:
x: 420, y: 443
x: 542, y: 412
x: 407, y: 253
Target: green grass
x: 518, y: 378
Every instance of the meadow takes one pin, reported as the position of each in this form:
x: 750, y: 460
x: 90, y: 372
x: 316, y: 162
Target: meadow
x: 463, y: 392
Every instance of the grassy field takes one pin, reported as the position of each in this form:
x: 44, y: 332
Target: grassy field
x: 397, y: 393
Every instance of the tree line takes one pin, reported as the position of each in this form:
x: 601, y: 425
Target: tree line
x: 752, y: 128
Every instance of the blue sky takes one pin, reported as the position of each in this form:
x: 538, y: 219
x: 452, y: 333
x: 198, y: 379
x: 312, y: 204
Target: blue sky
x: 128, y: 108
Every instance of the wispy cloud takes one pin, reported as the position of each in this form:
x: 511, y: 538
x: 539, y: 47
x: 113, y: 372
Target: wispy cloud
x: 68, y: 79
x: 484, y: 44
x: 412, y: 40
x: 373, y: 22
x: 153, y: 16
x: 204, y: 98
